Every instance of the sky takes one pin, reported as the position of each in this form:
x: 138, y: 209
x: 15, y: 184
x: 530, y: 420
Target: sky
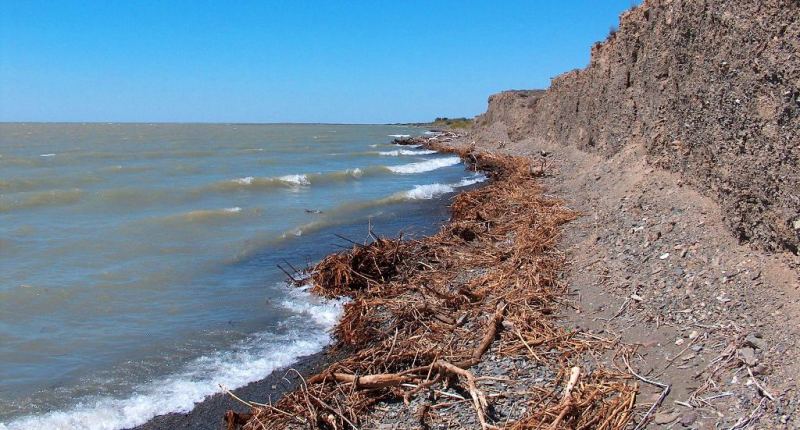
x: 369, y: 61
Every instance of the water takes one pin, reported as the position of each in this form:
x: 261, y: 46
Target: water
x: 138, y: 262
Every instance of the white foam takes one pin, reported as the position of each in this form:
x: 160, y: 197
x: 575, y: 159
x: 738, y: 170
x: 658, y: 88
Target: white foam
x: 425, y: 166
x: 236, y: 209
x: 323, y: 312
x: 430, y: 191
x: 295, y: 179
x: 400, y: 136
x: 300, y: 179
x: 248, y: 361
x: 470, y: 181
x: 399, y: 152
x: 47, y: 155
x: 356, y: 173
x: 427, y: 192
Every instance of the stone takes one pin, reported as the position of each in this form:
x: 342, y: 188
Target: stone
x: 748, y: 356
x: 662, y: 418
x: 688, y: 418
x: 760, y: 369
x: 756, y: 342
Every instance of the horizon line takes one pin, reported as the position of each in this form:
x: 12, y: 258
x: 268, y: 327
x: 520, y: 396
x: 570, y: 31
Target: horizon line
x: 213, y: 123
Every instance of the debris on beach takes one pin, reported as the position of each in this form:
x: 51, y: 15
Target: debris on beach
x: 460, y: 325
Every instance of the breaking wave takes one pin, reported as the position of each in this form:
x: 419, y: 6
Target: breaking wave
x: 249, y: 360
x: 431, y: 191
x: 399, y: 152
x: 427, y: 192
x: 425, y: 166
x: 297, y: 180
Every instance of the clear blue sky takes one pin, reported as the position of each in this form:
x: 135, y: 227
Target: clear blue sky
x: 284, y: 61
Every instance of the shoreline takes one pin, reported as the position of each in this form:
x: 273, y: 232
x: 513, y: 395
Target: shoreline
x: 209, y: 414
x: 405, y: 296
x: 595, y: 319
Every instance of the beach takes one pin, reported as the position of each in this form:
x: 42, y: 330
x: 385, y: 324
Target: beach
x: 188, y: 233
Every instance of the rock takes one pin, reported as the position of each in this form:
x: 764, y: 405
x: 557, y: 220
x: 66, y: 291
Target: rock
x: 663, y: 256
x: 748, y: 356
x: 755, y: 341
x: 760, y: 369
x: 662, y: 418
x: 694, y: 335
x: 688, y: 418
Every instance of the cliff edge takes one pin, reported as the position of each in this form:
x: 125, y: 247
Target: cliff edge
x: 710, y: 89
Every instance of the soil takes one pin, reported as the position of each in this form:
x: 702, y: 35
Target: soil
x: 679, y: 144
x: 709, y: 89
x: 652, y: 263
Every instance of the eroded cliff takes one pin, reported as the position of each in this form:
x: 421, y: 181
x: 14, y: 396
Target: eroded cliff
x: 710, y: 88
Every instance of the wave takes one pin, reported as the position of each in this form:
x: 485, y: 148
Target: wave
x: 345, y: 212
x: 399, y: 152
x: 248, y: 361
x: 247, y: 181
x: 40, y: 198
x: 431, y: 191
x: 427, y: 192
x: 205, y: 215
x: 425, y: 166
x: 471, y: 181
x: 399, y: 136
x: 125, y: 169
x: 42, y: 182
x: 293, y: 181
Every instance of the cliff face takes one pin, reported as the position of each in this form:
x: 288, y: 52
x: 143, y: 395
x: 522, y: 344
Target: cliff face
x: 711, y: 89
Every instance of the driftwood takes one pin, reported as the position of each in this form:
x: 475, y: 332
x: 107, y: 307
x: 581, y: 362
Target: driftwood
x: 567, y: 401
x: 372, y: 381
x: 415, y: 323
x: 234, y: 420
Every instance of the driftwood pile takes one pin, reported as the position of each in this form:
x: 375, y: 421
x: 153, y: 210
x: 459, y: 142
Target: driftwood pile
x: 424, y: 312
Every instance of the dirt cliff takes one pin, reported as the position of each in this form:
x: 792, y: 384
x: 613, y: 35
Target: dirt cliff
x: 710, y: 89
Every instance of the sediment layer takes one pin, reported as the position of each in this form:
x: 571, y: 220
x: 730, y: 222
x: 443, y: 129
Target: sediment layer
x: 711, y: 90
